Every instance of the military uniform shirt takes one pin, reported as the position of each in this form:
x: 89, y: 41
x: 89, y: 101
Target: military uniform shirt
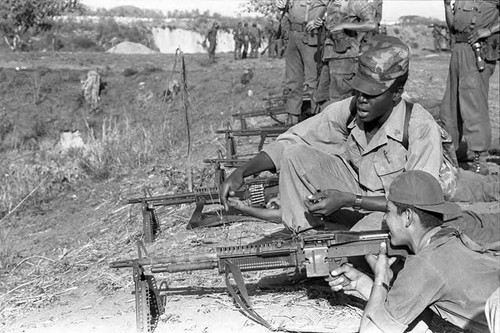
x: 345, y: 11
x: 445, y: 275
x: 376, y: 163
x: 297, y: 12
x: 464, y: 11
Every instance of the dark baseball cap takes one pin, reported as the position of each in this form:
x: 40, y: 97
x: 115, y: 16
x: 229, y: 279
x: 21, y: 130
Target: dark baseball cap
x: 383, y: 59
x: 421, y: 190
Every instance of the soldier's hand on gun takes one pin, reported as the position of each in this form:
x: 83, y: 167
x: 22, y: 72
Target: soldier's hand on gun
x: 281, y: 4
x: 327, y: 202
x: 346, y: 277
x: 381, y: 264
x: 238, y: 204
x: 231, y: 184
x: 274, y: 203
x: 314, y: 24
x: 478, y: 34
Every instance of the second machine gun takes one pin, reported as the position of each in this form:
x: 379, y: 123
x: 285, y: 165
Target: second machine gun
x: 256, y: 191
x: 318, y: 254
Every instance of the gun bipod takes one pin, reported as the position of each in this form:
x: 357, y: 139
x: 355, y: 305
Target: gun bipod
x: 149, y: 304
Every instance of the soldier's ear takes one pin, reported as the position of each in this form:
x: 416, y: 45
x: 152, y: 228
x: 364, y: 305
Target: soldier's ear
x: 409, y: 217
x: 397, y: 95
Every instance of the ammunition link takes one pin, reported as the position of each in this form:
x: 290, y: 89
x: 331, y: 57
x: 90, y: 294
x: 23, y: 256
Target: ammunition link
x: 257, y: 196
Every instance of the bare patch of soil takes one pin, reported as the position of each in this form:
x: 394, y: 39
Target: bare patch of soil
x: 61, y: 282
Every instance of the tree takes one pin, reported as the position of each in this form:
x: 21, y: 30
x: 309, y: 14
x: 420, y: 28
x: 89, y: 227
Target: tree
x: 265, y: 7
x: 21, y: 19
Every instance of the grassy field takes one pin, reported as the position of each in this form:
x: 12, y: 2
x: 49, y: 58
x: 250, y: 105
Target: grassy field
x: 61, y: 217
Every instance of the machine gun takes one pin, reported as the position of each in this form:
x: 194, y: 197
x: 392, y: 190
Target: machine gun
x: 257, y: 191
x: 318, y: 254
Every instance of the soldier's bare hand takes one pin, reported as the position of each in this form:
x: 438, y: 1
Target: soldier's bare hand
x: 236, y: 203
x: 381, y: 264
x: 231, y: 184
x: 346, y: 277
x: 314, y: 24
x: 281, y: 4
x: 327, y: 202
x: 478, y: 34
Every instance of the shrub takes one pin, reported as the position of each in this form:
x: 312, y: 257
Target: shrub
x: 84, y: 43
x: 129, y: 71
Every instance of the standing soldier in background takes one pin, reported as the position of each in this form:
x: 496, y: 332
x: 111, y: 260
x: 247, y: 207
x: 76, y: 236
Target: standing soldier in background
x: 441, y: 37
x: 300, y: 67
x: 212, y: 41
x: 246, y: 39
x: 276, y: 34
x: 255, y: 39
x: 238, y: 40
x: 464, y: 111
x: 270, y: 35
x: 348, y: 24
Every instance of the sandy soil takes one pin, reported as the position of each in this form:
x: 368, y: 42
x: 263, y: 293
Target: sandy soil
x: 62, y: 281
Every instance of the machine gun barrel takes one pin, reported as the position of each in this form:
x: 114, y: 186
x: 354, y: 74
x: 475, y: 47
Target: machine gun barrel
x: 182, y: 259
x: 209, y: 196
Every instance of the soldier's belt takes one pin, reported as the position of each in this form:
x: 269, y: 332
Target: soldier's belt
x: 462, y: 37
x: 297, y: 26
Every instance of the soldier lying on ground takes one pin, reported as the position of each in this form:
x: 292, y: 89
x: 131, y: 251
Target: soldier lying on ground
x: 448, y: 272
x: 356, y: 147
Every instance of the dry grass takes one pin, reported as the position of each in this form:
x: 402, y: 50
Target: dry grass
x: 137, y: 144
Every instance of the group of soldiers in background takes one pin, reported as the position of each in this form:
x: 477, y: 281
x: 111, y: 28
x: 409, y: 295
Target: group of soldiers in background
x: 247, y: 41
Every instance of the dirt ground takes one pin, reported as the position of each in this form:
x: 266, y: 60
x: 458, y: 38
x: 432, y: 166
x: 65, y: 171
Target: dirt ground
x: 62, y: 281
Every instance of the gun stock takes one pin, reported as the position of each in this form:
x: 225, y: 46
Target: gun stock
x: 318, y: 254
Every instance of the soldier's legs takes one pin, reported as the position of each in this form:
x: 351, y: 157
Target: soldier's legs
x: 237, y: 50
x: 245, y: 50
x: 473, y: 99
x: 482, y: 228
x: 321, y: 93
x: 310, y: 66
x: 304, y: 171
x: 294, y: 74
x: 473, y: 187
x: 464, y: 109
x: 341, y: 72
x: 448, y: 111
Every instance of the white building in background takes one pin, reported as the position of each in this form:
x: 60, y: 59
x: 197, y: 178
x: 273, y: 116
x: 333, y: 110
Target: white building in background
x: 188, y: 41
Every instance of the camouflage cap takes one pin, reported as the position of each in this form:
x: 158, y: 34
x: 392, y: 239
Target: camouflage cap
x: 383, y: 59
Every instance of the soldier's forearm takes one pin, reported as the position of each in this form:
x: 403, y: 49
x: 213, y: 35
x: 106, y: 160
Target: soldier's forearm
x: 361, y: 26
x: 448, y: 14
